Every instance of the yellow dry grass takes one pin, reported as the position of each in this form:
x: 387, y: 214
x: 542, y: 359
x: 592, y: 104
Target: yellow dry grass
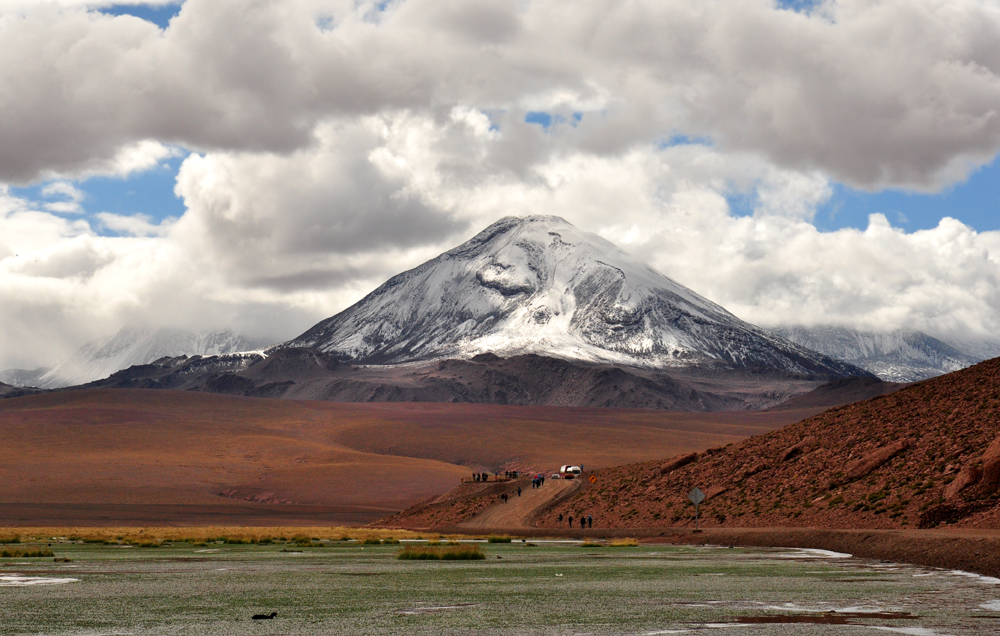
x: 203, y: 533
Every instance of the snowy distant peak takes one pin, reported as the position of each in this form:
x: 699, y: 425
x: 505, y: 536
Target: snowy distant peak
x: 539, y: 285
x: 132, y: 346
x: 896, y: 356
x: 22, y: 377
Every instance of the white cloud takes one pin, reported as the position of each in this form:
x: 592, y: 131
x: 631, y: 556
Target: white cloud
x: 337, y: 144
x: 133, y: 225
x: 900, y: 92
x: 71, y: 195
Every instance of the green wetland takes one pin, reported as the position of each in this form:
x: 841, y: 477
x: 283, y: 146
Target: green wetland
x: 519, y: 588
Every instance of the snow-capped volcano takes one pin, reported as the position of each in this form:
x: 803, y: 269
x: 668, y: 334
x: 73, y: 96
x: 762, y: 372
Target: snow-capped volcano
x: 539, y: 285
x: 130, y: 346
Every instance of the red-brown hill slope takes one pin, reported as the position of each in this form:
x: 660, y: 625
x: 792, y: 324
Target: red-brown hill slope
x: 104, y: 450
x: 916, y: 458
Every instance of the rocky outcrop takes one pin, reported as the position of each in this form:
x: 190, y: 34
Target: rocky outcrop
x: 969, y: 476
x: 806, y: 445
x: 715, y: 491
x: 870, y: 461
x: 991, y: 464
x: 677, y: 462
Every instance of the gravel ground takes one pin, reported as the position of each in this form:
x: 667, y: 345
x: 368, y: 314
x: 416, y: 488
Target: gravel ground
x: 552, y: 587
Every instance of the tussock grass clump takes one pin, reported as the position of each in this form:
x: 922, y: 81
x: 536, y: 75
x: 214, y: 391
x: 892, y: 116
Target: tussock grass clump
x: 148, y: 544
x: 390, y: 541
x: 624, y: 543
x: 24, y: 554
x: 592, y: 544
x: 371, y: 541
x: 14, y: 539
x: 433, y: 542
x: 454, y: 553
x: 496, y: 539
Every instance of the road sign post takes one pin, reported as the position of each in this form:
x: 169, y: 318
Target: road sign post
x: 696, y: 496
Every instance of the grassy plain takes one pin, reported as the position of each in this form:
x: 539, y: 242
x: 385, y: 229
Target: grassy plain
x: 535, y: 587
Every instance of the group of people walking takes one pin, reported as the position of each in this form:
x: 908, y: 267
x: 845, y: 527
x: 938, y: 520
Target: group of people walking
x: 508, y: 474
x: 505, y: 496
x: 537, y: 481
x: 585, y: 522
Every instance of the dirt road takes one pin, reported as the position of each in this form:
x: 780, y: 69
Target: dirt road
x: 519, y: 511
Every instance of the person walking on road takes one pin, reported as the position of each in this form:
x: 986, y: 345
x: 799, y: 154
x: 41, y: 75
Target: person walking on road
x: 560, y: 520
x: 518, y: 491
x: 590, y: 521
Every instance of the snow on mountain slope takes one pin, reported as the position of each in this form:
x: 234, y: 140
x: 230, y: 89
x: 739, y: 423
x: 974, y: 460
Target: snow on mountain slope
x: 539, y: 285
x: 22, y: 377
x: 896, y: 356
x: 128, y: 347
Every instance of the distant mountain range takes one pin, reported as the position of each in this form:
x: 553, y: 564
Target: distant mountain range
x: 128, y: 347
x: 896, y: 356
x: 529, y: 311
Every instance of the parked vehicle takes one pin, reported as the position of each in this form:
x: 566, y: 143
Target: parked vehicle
x: 570, y: 472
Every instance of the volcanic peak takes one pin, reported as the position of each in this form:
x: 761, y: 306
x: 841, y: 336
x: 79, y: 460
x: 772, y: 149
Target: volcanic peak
x: 539, y: 285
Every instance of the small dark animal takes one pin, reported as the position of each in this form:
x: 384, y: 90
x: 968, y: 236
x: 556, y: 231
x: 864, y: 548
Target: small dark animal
x: 264, y: 617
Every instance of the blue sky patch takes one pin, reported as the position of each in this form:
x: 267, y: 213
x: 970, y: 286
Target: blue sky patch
x: 975, y: 202
x: 545, y: 120
x: 683, y: 140
x: 801, y: 6
x: 150, y: 193
x: 159, y: 15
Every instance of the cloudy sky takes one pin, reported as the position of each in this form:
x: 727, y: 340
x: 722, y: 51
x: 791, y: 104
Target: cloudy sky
x: 262, y: 165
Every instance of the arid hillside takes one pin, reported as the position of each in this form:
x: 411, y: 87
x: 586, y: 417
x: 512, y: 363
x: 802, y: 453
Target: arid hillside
x: 924, y: 456
x: 104, y: 456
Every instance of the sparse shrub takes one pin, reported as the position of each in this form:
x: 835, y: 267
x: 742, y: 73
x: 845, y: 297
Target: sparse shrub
x: 390, y: 541
x: 371, y: 541
x: 496, y: 539
x: 591, y: 544
x: 624, y: 543
x: 455, y: 553
x: 433, y: 542
x: 62, y: 560
x: 24, y: 554
x: 14, y: 539
x: 149, y: 544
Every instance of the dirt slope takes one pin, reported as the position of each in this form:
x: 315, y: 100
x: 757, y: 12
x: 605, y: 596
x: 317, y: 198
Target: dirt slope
x: 924, y: 456
x: 519, y: 512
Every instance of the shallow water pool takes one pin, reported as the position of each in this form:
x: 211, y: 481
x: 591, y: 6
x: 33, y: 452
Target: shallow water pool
x: 550, y: 588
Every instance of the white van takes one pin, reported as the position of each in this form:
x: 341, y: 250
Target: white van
x: 570, y: 472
